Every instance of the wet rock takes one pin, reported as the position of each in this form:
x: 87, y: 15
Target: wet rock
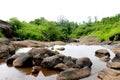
x: 109, y: 74
x: 83, y: 62
x: 103, y: 54
x: 61, y: 49
x: 11, y: 59
x: 50, y: 62
x: 61, y: 66
x: 113, y: 65
x: 24, y: 60
x: 74, y: 74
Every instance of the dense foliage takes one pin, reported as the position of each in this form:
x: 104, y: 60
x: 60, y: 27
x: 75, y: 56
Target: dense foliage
x: 41, y: 29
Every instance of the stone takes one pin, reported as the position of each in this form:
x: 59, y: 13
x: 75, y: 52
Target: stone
x: 103, y: 54
x: 50, y: 62
x: 61, y: 48
x: 24, y: 60
x: 61, y: 67
x: 83, y: 62
x: 11, y: 59
x: 109, y: 74
x: 74, y: 74
x: 113, y: 65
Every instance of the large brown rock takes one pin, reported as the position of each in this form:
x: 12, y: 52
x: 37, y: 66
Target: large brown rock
x: 6, y: 28
x: 74, y: 74
x: 109, y: 74
x: 114, y: 65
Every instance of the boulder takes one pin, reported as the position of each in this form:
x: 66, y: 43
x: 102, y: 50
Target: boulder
x: 50, y: 62
x: 24, y: 60
x: 113, y: 65
x: 6, y: 48
x: 109, y: 74
x: 103, y: 54
x: 6, y: 28
x: 39, y: 54
x: 69, y: 61
x: 74, y: 74
x: 83, y: 62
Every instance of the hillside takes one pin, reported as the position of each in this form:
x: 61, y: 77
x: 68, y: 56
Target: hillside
x: 41, y: 29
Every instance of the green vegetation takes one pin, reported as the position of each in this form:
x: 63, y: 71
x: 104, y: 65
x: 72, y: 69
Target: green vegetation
x: 41, y: 29
x: 1, y: 34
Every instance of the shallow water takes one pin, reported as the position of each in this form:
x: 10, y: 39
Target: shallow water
x: 11, y: 73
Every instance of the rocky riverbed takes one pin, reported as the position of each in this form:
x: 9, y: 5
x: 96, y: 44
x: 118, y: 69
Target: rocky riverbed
x: 43, y: 55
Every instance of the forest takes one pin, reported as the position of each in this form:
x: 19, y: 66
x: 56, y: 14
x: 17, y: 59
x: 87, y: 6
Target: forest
x: 41, y: 29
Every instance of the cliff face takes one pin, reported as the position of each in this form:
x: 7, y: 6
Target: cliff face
x: 6, y: 28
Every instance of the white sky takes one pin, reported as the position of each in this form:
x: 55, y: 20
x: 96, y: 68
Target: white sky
x: 73, y: 10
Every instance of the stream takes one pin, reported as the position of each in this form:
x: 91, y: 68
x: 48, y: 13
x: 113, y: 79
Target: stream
x: 77, y: 51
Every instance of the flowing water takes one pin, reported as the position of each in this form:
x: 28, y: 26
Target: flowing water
x: 77, y: 51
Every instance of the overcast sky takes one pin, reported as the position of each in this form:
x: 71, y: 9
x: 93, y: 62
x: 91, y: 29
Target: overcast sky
x: 73, y: 10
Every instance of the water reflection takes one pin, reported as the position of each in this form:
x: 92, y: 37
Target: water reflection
x: 12, y: 73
